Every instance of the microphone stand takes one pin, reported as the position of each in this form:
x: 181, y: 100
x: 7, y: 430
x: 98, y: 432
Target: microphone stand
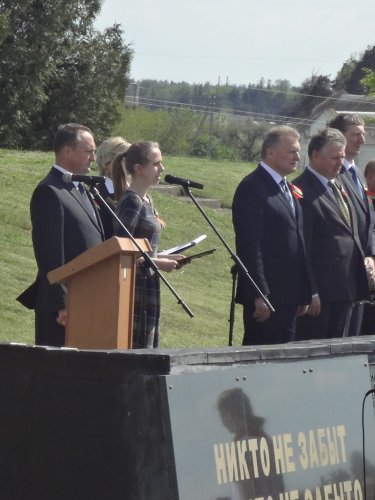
x: 147, y: 259
x: 238, y: 263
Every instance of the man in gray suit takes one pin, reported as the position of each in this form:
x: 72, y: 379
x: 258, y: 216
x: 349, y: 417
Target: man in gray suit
x: 351, y: 177
x: 333, y: 245
x: 65, y: 223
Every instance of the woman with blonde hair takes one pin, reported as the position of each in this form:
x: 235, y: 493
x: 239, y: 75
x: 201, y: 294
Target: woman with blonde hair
x: 105, y: 155
x: 135, y: 209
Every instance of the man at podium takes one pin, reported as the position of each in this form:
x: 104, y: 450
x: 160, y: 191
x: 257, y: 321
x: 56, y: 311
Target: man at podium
x: 65, y: 223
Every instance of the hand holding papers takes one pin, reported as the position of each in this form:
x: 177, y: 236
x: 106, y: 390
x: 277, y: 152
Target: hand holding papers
x: 184, y: 246
x: 187, y: 260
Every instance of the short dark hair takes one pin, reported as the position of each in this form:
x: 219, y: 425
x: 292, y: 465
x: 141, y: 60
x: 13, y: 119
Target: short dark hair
x: 345, y: 120
x: 67, y: 135
x: 324, y: 137
x: 370, y: 167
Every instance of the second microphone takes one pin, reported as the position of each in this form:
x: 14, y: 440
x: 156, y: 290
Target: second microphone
x: 186, y: 183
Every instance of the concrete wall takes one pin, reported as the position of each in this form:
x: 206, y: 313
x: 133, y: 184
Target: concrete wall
x: 77, y: 425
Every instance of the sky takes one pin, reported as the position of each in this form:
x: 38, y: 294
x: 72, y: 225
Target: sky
x: 240, y: 41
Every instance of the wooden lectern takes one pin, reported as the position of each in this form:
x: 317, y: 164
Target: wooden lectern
x: 100, y: 297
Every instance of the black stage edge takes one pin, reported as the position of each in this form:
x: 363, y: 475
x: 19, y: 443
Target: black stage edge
x: 147, y: 424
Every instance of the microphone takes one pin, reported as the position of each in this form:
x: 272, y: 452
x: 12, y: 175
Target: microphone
x: 171, y: 179
x: 91, y: 180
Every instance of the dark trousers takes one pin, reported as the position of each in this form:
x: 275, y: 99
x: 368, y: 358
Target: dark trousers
x: 355, y: 320
x: 368, y: 324
x: 48, y: 331
x: 279, y: 328
x: 329, y: 324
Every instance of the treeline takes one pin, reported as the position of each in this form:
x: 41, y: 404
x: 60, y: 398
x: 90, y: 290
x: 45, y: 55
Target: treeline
x: 259, y: 100
x: 55, y: 67
x: 229, y: 121
x: 262, y: 97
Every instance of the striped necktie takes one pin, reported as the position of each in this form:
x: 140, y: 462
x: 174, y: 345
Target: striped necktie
x: 341, y: 203
x: 288, y: 195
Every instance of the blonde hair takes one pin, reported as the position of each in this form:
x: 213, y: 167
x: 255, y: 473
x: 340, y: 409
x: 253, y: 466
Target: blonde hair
x: 108, y: 150
x: 119, y: 176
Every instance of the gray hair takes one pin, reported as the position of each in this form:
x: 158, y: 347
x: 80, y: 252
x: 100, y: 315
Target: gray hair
x: 275, y: 134
x: 327, y: 136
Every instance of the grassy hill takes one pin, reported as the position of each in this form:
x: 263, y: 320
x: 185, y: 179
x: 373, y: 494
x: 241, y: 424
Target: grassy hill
x: 204, y: 285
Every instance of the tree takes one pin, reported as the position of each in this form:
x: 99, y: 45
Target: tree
x: 368, y: 81
x: 344, y: 74
x: 88, y: 87
x: 350, y: 76
x: 312, y: 91
x: 246, y: 137
x: 54, y: 67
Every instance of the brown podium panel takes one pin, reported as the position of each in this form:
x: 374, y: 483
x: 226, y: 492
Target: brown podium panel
x: 100, y: 297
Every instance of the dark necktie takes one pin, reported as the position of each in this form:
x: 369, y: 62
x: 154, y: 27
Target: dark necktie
x: 288, y: 195
x: 356, y: 180
x: 341, y: 203
x: 86, y: 200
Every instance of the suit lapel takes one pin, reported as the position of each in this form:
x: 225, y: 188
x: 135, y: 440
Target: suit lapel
x: 93, y: 214
x: 326, y: 198
x: 348, y: 182
x: 274, y: 189
x: 73, y: 191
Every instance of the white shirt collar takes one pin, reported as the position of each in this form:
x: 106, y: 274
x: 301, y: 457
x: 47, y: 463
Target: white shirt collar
x: 347, y: 164
x: 57, y: 167
x: 321, y: 177
x: 275, y: 175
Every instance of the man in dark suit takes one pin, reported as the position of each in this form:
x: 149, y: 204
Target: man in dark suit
x: 352, y: 126
x: 368, y: 323
x: 333, y: 246
x: 64, y: 224
x: 267, y: 220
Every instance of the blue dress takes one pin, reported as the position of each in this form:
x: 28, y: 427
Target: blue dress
x: 140, y: 218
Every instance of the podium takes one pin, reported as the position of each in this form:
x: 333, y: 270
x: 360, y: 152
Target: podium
x: 100, y: 298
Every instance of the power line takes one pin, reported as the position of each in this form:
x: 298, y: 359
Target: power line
x: 256, y: 116
x: 362, y: 99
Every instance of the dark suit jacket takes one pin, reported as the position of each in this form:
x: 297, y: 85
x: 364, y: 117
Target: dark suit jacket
x: 269, y: 241
x: 105, y: 216
x: 62, y: 228
x: 364, y: 212
x: 333, y: 249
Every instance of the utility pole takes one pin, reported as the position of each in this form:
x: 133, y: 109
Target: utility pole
x: 211, y: 122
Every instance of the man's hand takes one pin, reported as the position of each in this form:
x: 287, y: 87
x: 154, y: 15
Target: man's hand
x: 62, y: 317
x: 314, y: 307
x: 261, y: 313
x: 302, y: 310
x: 370, y: 269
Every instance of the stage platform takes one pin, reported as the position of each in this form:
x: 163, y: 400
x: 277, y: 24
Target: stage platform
x: 275, y: 422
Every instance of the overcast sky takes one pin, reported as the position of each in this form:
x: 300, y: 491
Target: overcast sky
x: 200, y: 41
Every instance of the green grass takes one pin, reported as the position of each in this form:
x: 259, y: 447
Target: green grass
x: 204, y: 285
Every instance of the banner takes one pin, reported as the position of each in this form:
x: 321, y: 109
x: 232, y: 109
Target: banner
x: 273, y: 431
